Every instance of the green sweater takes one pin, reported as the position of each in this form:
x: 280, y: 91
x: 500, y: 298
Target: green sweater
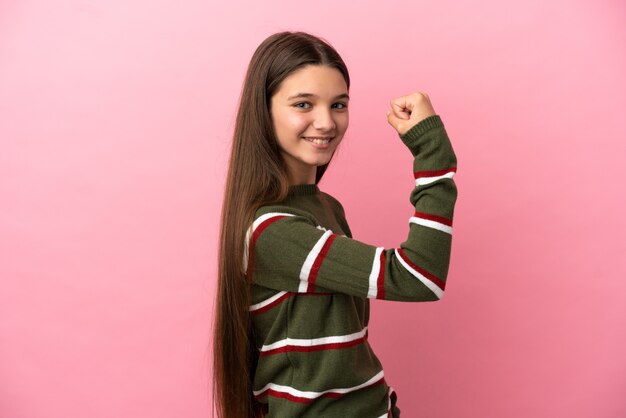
x: 312, y: 285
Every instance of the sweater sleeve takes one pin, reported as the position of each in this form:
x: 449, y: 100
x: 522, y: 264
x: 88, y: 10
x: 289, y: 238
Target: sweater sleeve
x: 290, y: 252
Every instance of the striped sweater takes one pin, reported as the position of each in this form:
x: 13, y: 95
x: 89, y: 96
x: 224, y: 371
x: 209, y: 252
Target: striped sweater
x: 312, y: 284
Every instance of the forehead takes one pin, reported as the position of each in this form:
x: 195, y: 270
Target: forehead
x: 319, y: 80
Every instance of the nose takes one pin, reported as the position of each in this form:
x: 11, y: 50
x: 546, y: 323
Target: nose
x: 324, y: 120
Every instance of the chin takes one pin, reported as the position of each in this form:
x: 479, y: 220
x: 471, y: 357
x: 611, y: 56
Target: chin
x: 317, y: 163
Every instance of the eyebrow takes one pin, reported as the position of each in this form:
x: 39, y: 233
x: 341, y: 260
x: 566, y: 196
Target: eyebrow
x: 295, y: 96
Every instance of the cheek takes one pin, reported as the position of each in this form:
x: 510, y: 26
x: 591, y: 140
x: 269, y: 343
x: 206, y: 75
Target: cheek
x: 343, y: 121
x: 294, y: 123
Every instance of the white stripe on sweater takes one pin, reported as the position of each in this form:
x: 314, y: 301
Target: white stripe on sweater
x: 425, y: 180
x: 427, y: 282
x: 431, y: 224
x: 258, y: 221
x: 247, y: 248
x: 312, y: 395
x: 267, y: 301
x: 388, y: 414
x: 373, y: 280
x: 310, y: 260
x: 315, y: 341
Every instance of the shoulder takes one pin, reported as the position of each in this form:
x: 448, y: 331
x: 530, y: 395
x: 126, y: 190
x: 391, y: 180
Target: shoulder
x: 340, y: 213
x: 278, y: 211
x: 279, y: 224
x: 334, y: 203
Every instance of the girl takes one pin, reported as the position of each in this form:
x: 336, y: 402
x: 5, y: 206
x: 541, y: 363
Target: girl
x: 294, y: 287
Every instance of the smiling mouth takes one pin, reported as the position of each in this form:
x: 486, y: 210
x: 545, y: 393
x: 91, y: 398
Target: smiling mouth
x: 318, y: 140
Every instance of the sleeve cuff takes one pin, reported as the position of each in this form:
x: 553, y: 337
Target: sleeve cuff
x: 412, y: 136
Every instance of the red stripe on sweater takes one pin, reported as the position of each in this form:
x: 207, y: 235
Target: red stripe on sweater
x: 391, y: 395
x: 433, y: 173
x: 286, y: 296
x: 318, y: 262
x: 271, y: 305
x: 308, y: 349
x: 436, y: 218
x: 265, y: 224
x: 284, y: 395
x: 255, y: 236
x: 380, y: 294
x: 440, y: 283
x: 299, y: 399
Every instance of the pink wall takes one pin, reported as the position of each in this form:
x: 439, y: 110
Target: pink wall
x: 114, y: 127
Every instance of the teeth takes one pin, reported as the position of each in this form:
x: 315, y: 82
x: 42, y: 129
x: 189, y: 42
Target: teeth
x: 318, y: 141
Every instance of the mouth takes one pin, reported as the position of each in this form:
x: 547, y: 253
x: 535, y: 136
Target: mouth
x: 319, y: 140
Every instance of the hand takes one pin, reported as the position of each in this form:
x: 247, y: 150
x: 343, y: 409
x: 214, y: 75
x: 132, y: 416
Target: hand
x: 408, y: 111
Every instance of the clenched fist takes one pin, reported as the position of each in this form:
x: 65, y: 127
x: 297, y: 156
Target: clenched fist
x: 408, y: 111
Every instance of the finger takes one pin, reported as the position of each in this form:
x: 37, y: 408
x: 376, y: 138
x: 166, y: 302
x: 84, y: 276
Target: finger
x: 401, y: 108
x: 393, y: 120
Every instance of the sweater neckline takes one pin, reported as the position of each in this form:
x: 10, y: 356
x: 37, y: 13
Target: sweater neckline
x: 303, y: 189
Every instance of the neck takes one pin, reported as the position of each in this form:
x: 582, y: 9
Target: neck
x: 302, y: 178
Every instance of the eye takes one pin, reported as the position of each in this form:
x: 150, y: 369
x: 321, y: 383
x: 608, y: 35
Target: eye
x: 296, y: 105
x: 342, y: 104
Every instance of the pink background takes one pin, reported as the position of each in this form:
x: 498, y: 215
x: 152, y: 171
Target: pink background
x: 115, y: 122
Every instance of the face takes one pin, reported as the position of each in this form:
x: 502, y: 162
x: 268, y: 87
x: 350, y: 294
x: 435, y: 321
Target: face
x: 311, y: 103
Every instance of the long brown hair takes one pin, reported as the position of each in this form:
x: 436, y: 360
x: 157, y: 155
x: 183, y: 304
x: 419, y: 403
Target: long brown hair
x: 257, y: 175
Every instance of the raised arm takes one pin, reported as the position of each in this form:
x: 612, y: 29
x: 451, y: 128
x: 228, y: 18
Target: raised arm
x: 292, y: 253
